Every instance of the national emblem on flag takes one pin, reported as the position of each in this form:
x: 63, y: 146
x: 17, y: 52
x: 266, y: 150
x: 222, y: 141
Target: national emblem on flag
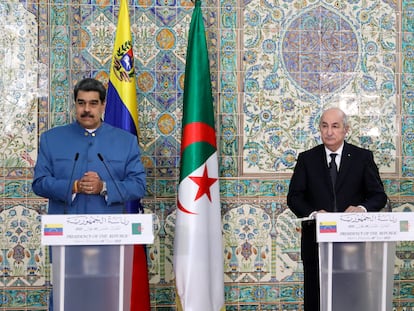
x: 123, y: 62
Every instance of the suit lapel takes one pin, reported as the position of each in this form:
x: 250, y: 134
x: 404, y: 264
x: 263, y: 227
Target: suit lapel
x: 324, y: 162
x: 345, y: 166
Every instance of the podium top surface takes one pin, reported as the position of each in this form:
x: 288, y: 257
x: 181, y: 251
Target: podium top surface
x: 364, y: 227
x: 97, y: 229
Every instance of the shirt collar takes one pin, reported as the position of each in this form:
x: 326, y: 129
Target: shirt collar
x: 88, y: 132
x: 338, y: 152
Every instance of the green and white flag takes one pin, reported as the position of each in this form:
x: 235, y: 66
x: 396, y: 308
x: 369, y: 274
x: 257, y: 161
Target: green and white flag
x: 198, y: 246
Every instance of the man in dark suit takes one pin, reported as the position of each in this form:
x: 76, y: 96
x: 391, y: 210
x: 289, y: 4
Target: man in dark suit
x: 357, y: 188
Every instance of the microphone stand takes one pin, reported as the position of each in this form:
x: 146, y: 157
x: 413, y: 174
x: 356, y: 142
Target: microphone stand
x: 113, y: 180
x: 69, y: 203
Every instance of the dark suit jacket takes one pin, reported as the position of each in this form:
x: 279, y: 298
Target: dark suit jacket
x: 311, y: 189
x: 358, y: 182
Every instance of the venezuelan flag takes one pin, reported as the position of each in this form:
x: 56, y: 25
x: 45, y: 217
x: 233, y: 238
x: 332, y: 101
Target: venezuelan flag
x: 53, y: 230
x: 121, y: 111
x: 121, y: 101
x: 121, y: 104
x: 327, y: 227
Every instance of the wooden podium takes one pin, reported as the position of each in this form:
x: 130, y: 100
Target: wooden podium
x: 92, y: 258
x: 357, y: 254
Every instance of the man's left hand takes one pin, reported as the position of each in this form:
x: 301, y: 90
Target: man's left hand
x: 90, y: 183
x: 355, y: 209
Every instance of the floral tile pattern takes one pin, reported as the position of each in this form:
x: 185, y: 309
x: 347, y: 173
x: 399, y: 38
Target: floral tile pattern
x: 299, y: 61
x: 18, y: 86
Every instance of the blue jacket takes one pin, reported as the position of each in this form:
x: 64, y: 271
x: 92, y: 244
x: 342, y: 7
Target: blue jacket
x: 68, y: 151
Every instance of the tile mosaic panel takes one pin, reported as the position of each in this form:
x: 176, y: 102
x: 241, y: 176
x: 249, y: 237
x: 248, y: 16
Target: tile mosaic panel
x: 299, y: 59
x: 24, y: 263
x: 19, y: 87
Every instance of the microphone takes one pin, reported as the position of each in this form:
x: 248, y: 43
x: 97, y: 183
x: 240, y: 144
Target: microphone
x: 65, y: 211
x: 388, y: 206
x: 113, y: 179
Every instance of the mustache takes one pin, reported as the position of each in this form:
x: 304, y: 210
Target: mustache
x: 87, y: 115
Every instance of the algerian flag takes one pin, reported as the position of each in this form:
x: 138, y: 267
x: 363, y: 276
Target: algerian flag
x: 198, y: 247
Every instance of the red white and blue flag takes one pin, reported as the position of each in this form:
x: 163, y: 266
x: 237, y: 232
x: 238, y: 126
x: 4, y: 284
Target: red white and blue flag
x: 121, y: 111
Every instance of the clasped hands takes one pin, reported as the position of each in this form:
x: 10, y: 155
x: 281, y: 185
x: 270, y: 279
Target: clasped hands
x: 90, y: 183
x: 350, y: 209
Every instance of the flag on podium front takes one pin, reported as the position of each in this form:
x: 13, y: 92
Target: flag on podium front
x: 198, y: 246
x: 121, y: 111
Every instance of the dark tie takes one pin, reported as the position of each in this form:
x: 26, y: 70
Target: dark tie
x: 333, y: 169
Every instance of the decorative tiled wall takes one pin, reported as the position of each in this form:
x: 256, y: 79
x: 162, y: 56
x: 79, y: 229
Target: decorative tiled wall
x: 298, y: 61
x: 275, y: 65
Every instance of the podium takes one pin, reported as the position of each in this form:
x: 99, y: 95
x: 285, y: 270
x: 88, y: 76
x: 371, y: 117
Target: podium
x: 92, y: 258
x: 356, y: 253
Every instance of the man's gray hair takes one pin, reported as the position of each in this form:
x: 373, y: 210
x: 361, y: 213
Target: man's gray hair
x: 344, y: 116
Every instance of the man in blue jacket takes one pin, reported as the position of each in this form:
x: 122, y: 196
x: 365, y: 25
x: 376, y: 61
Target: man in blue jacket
x: 88, y: 166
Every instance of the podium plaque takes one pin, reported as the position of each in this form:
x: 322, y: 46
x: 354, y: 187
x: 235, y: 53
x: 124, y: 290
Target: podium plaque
x: 356, y: 252
x: 92, y: 258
